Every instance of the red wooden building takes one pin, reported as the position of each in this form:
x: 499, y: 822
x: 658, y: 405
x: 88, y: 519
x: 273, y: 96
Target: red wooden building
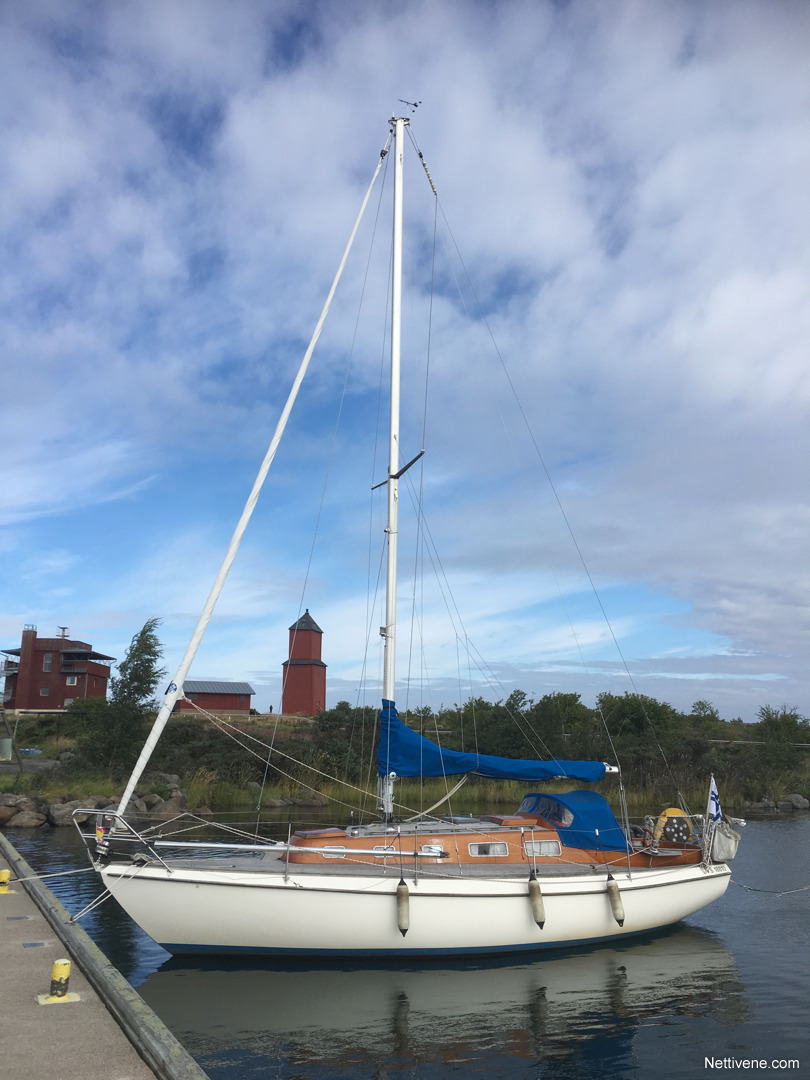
x: 47, y: 674
x: 221, y: 698
x: 304, y: 673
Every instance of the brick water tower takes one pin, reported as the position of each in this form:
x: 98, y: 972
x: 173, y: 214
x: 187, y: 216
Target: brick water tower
x: 304, y: 674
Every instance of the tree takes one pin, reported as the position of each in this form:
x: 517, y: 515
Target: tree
x: 704, y: 710
x: 138, y: 673
x: 780, y: 729
x: 114, y: 731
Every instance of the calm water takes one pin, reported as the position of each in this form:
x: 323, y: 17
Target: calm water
x: 730, y: 982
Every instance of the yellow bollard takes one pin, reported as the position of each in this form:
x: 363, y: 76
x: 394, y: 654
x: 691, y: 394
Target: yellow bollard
x: 60, y: 977
x: 5, y: 876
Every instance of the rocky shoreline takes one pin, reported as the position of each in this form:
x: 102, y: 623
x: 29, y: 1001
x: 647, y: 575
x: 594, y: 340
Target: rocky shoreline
x: 34, y: 811
x: 785, y: 805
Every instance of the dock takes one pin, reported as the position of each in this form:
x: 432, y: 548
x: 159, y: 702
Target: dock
x: 109, y: 1033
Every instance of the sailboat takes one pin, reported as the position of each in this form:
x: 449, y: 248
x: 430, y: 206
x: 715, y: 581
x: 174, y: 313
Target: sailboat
x: 560, y: 871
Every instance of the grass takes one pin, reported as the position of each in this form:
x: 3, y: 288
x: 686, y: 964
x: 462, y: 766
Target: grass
x: 53, y: 787
x: 479, y: 795
x: 738, y: 779
x: 204, y: 788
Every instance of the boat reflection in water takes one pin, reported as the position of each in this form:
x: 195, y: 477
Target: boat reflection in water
x: 572, y: 1006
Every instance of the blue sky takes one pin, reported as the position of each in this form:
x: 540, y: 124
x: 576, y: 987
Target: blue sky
x: 628, y: 185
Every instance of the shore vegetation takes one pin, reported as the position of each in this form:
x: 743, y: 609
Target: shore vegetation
x: 662, y: 751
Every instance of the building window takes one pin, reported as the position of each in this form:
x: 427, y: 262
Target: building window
x: 68, y: 701
x: 192, y: 697
x: 72, y: 680
x: 44, y: 691
x: 47, y: 661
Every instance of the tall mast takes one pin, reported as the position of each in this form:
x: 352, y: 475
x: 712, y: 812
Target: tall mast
x: 389, y: 653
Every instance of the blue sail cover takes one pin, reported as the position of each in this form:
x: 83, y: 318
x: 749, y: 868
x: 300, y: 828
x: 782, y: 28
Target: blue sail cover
x: 407, y: 753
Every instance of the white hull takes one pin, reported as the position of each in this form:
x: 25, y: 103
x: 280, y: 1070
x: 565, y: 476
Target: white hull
x: 256, y: 911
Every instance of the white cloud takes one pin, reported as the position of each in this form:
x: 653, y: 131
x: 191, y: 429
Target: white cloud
x: 629, y: 190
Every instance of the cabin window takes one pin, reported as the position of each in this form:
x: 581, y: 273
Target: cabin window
x: 72, y: 680
x: 384, y: 849
x: 44, y: 691
x: 335, y: 852
x: 543, y: 847
x: 47, y: 661
x: 498, y: 848
x: 546, y: 807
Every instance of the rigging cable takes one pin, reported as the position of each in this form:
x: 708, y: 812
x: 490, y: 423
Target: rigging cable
x: 384, y: 156
x: 568, y: 525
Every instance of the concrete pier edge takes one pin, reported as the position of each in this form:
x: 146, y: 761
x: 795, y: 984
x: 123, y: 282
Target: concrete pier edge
x: 165, y: 1055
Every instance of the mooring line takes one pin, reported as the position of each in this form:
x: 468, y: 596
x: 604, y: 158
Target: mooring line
x: 771, y: 892
x: 57, y: 873
x: 91, y: 906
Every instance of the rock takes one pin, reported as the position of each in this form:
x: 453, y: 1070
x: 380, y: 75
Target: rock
x: 96, y: 802
x: 273, y: 804
x: 784, y: 807
x: 61, y: 814
x: 313, y: 800
x: 203, y: 811
x: 171, y: 780
x: 9, y: 800
x: 6, y: 814
x: 65, y: 756
x: 27, y: 819
x: 251, y: 785
x: 25, y: 802
x: 798, y: 802
x: 167, y: 810
x: 151, y: 800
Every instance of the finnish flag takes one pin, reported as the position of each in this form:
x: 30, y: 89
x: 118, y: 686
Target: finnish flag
x: 715, y: 813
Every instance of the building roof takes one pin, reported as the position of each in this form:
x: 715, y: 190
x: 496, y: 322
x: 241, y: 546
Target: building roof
x: 205, y: 687
x: 80, y: 652
x: 306, y: 622
x: 85, y: 654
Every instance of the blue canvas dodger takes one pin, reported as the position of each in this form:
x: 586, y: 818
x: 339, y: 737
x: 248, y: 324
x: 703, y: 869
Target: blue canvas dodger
x: 582, y: 819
